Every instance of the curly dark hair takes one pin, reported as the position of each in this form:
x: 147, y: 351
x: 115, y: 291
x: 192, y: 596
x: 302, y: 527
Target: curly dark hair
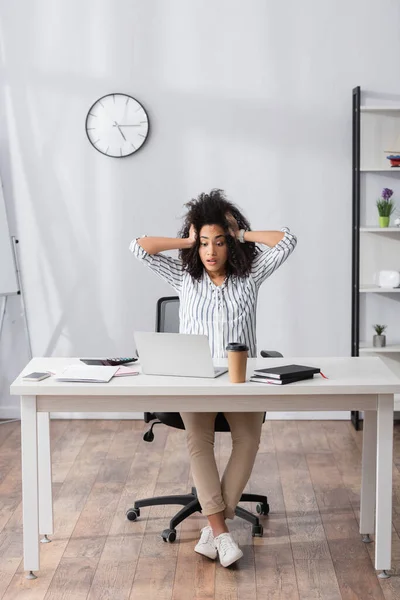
x: 212, y: 209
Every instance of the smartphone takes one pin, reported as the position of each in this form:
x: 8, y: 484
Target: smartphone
x: 36, y: 376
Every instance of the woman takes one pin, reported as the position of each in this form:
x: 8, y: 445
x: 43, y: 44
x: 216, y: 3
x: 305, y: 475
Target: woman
x: 217, y: 276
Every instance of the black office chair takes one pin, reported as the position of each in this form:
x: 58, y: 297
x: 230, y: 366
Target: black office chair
x: 167, y: 320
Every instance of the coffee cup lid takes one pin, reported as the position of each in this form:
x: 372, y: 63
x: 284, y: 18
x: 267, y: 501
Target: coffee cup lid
x: 236, y: 347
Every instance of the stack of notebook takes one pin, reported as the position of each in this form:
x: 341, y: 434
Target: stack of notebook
x: 94, y: 373
x: 284, y: 374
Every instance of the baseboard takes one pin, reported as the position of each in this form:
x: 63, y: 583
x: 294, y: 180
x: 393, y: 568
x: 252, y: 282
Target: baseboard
x: 9, y: 412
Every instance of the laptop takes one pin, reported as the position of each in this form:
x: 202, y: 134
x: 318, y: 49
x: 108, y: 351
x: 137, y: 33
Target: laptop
x: 176, y: 354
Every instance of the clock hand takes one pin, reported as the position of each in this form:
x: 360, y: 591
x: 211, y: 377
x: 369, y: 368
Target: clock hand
x: 138, y: 125
x: 119, y: 129
x: 121, y: 132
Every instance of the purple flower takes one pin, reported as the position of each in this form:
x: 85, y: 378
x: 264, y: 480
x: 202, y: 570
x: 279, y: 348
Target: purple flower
x: 387, y: 194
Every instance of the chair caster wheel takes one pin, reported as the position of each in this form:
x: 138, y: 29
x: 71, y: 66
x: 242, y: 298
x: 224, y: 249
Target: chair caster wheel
x: 169, y: 535
x: 257, y: 531
x: 132, y: 514
x: 262, y: 509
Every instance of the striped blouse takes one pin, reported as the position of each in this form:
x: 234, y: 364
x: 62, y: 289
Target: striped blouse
x: 225, y: 313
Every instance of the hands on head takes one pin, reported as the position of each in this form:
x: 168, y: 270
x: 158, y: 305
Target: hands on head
x: 192, y: 235
x: 233, y: 229
x: 233, y: 225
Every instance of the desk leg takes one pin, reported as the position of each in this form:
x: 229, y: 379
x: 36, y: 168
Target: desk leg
x: 45, y: 489
x: 30, y: 504
x: 368, y: 480
x: 383, y: 537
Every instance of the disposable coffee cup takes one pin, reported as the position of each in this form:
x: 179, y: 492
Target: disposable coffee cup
x: 237, y: 362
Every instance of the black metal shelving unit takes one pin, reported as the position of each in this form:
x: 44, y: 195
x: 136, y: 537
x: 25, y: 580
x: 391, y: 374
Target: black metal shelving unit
x: 355, y: 271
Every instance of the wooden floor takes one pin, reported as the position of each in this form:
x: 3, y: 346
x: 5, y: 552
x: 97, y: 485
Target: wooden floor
x: 311, y: 548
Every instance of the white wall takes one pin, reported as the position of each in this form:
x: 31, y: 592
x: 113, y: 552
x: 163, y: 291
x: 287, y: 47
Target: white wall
x: 252, y: 97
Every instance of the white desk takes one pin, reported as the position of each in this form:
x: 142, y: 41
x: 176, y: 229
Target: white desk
x: 364, y: 384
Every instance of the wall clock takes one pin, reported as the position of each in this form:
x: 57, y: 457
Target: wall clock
x: 117, y: 125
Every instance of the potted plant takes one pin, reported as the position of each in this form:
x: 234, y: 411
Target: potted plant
x: 379, y: 340
x: 385, y: 206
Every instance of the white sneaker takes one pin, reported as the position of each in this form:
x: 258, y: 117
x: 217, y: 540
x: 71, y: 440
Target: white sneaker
x: 228, y: 550
x: 206, y: 545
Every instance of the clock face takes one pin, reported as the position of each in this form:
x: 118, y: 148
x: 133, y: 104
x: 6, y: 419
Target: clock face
x: 117, y: 125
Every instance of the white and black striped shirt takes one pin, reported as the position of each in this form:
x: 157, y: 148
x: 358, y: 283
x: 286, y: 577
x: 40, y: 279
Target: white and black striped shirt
x: 225, y: 313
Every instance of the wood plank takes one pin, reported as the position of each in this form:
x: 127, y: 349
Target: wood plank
x: 68, y: 447
x: 357, y: 580
x: 309, y: 471
x: 10, y: 492
x: 275, y: 570
x: 94, y: 522
x: 195, y: 574
x: 7, y: 429
x: 306, y: 531
x: 10, y: 486
x: 175, y: 461
x: 357, y: 435
x: 347, y: 457
x: 11, y: 540
x: 267, y: 438
x: 340, y: 524
x: 396, y: 444
x: 333, y: 475
x: 67, y: 508
x: 118, y: 562
x: 275, y: 575
x: 10, y: 452
x: 154, y: 578
x: 390, y: 587
x: 156, y: 566
x: 316, y: 579
x: 72, y: 579
x: 312, y: 436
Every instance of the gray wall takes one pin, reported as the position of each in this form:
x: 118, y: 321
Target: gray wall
x: 252, y: 97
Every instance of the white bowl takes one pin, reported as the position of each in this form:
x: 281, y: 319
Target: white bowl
x: 389, y: 279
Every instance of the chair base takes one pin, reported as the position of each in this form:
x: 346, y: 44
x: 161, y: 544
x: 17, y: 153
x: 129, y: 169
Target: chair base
x: 191, y: 505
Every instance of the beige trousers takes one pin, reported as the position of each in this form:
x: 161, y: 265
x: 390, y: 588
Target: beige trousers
x: 215, y: 495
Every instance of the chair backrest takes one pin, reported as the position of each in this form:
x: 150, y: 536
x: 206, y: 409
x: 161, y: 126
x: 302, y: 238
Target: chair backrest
x: 167, y: 321
x: 167, y: 315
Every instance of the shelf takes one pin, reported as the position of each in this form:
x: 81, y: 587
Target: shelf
x: 380, y: 170
x: 380, y: 109
x: 390, y: 349
x: 376, y: 135
x: 378, y: 290
x: 380, y: 229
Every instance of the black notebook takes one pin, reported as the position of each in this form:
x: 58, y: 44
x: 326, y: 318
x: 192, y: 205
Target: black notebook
x: 286, y: 371
x: 262, y: 379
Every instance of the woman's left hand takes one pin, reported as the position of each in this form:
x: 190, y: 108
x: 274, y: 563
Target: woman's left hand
x: 233, y: 225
